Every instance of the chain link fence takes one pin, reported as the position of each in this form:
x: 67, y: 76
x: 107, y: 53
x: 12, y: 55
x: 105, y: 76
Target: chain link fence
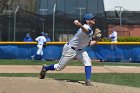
x: 19, y: 17
x: 16, y: 22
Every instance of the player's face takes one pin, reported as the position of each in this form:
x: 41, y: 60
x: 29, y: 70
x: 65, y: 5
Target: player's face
x: 91, y: 22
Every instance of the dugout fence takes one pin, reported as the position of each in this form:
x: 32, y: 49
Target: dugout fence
x: 38, y: 17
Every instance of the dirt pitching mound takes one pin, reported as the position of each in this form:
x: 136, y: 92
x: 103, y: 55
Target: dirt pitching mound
x: 35, y: 85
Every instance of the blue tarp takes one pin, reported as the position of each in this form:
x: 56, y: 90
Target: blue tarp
x: 118, y: 53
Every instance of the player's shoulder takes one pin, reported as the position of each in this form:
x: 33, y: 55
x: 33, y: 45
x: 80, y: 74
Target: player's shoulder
x: 40, y: 36
x: 43, y: 37
x: 86, y: 26
x: 115, y: 32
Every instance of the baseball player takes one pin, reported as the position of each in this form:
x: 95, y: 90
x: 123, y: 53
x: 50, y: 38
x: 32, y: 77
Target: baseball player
x: 74, y: 49
x: 113, y: 36
x: 41, y: 42
x: 28, y: 38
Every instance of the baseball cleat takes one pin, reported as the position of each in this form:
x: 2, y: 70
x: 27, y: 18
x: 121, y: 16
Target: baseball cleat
x: 32, y: 57
x: 43, y: 72
x: 88, y: 83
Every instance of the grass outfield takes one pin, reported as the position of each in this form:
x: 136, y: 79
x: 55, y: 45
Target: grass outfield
x: 126, y: 79
x: 73, y: 63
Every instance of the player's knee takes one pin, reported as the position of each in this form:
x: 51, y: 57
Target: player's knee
x: 87, y: 62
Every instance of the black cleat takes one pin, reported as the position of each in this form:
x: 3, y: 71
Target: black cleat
x: 88, y: 83
x: 43, y: 72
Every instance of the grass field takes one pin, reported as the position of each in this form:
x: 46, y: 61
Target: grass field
x: 73, y: 63
x: 128, y: 79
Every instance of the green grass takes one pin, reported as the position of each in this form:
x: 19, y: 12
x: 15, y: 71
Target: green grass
x: 73, y: 63
x: 24, y: 62
x: 127, y: 79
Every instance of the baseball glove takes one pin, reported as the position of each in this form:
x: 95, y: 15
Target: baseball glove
x: 44, y: 45
x: 97, y: 34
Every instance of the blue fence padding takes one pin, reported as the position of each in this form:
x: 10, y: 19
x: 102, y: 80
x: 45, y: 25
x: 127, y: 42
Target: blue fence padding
x: 53, y: 52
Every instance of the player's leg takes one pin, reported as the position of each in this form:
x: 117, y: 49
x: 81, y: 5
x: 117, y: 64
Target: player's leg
x: 37, y: 56
x: 67, y: 55
x: 58, y: 67
x: 42, y: 54
x: 83, y: 56
x: 39, y: 52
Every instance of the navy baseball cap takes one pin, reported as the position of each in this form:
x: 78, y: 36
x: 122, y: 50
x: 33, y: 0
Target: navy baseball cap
x: 88, y: 16
x: 42, y: 33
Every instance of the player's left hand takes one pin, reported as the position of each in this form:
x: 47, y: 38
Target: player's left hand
x: 44, y: 45
x: 97, y: 34
x: 92, y: 43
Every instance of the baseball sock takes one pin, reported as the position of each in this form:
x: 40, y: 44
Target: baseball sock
x: 88, y: 72
x: 50, y: 67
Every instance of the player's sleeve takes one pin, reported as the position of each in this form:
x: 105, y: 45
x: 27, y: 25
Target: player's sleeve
x: 112, y: 36
x: 44, y: 39
x: 36, y: 39
x: 89, y: 29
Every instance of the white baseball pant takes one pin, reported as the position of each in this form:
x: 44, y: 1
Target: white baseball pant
x: 40, y: 49
x: 68, y: 54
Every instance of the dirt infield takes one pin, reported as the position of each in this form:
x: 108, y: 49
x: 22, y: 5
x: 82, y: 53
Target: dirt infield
x: 35, y: 85
x: 69, y: 69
